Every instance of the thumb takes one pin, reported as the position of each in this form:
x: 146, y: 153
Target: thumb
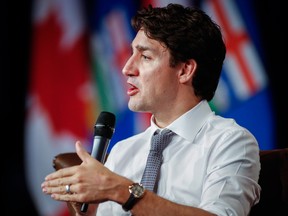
x: 81, y: 152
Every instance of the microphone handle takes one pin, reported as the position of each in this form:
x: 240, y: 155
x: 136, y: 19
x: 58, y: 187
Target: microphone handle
x: 99, y: 152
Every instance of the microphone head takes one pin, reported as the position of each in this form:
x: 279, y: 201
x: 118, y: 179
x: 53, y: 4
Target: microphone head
x: 105, y: 125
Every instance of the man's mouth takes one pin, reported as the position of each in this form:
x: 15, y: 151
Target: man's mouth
x: 132, y: 90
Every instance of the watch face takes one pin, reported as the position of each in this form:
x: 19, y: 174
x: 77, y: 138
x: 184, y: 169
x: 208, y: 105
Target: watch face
x: 137, y: 190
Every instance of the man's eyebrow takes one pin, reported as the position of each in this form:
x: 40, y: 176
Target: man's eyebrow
x: 144, y: 48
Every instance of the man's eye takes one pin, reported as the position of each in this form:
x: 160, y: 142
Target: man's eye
x: 145, y: 57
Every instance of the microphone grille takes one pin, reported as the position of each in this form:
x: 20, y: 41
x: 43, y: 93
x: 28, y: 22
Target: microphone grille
x: 105, y: 124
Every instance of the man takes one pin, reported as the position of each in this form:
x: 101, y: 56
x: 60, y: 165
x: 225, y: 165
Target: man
x: 210, y: 167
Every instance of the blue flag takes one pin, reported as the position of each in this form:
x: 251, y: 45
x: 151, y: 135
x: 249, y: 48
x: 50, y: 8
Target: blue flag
x: 112, y: 35
x: 243, y: 92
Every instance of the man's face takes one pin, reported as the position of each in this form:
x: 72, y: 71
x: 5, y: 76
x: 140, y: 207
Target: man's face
x: 152, y: 82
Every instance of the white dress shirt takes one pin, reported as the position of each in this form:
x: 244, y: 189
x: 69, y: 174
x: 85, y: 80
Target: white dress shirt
x: 212, y: 163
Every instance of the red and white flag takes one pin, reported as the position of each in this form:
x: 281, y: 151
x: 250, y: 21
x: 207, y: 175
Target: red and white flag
x: 61, y: 102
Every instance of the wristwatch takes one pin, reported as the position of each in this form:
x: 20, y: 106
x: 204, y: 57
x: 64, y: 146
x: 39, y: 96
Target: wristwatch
x: 137, y: 191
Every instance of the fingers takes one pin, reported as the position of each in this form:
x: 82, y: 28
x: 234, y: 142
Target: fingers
x: 70, y: 170
x: 60, y: 186
x: 65, y: 197
x: 66, y: 184
x: 60, y: 193
x: 65, y: 172
x: 81, y: 152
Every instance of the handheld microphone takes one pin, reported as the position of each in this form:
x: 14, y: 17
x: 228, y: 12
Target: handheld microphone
x: 103, y: 131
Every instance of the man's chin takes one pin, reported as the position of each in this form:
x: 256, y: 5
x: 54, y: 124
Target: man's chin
x: 135, y: 108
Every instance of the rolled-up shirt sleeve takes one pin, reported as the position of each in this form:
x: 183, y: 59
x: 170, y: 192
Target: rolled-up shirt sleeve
x: 231, y: 182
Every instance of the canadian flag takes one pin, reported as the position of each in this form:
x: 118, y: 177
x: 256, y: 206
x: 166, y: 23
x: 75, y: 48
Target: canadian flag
x: 61, y: 104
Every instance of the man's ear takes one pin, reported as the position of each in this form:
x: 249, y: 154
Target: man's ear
x: 187, y: 71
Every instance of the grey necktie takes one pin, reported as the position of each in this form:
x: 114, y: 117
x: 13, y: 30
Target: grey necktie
x: 154, y: 160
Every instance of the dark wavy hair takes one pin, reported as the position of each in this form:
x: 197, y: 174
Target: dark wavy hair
x: 188, y: 33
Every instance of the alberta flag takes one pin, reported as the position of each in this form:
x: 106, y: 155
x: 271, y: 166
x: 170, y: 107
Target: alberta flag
x: 61, y: 104
x: 243, y: 92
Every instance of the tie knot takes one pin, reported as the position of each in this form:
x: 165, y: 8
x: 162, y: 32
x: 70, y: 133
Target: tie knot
x: 160, y: 140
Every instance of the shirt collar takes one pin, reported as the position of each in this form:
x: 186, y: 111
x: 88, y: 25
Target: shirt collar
x: 188, y: 124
